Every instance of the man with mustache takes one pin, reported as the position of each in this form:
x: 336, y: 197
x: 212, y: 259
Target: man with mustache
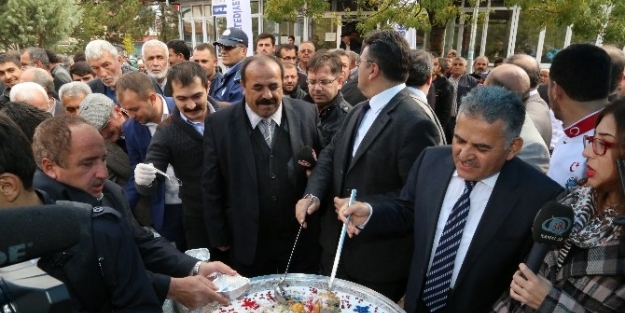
x: 156, y: 56
x: 251, y: 179
x: 178, y: 141
x: 468, y: 207
x: 290, y: 85
x: 146, y: 109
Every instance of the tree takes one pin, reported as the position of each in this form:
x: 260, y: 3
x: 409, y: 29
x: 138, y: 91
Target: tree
x: 167, y: 22
x: 112, y: 20
x: 41, y: 23
x: 588, y: 17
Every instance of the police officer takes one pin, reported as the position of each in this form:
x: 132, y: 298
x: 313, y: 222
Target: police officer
x: 324, y: 87
x: 233, y: 49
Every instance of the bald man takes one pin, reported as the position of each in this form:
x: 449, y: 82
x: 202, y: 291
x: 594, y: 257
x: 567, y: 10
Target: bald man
x: 44, y: 79
x: 536, y: 107
x: 534, y: 151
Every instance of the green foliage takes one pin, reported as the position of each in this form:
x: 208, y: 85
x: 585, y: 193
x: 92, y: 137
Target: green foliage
x: 112, y: 20
x: 167, y: 23
x: 40, y: 23
x: 588, y: 17
x: 282, y: 11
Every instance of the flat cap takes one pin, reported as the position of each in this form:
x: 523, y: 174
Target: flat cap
x: 96, y: 108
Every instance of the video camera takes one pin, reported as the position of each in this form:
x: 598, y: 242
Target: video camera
x: 24, y: 288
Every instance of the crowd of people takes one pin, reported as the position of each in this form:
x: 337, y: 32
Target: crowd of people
x: 450, y: 169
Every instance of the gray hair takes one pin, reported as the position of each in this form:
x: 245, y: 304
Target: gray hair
x: 74, y: 89
x: 420, y: 68
x: 154, y: 43
x: 38, y: 54
x: 25, y: 92
x: 96, y: 49
x: 41, y: 77
x: 492, y: 103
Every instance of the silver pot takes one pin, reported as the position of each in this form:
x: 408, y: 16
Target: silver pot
x: 261, y: 288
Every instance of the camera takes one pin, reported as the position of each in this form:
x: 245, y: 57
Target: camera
x: 24, y: 288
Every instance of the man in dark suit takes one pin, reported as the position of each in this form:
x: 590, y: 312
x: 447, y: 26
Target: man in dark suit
x: 470, y: 206
x: 462, y: 83
x: 372, y: 152
x: 251, y: 179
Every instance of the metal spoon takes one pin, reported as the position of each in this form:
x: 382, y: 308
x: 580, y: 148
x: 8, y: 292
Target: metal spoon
x: 339, y: 248
x: 279, y: 292
x: 170, y: 177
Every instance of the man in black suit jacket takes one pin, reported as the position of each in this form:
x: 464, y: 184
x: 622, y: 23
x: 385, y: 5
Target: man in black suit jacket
x: 251, y: 179
x: 374, y: 157
x: 506, y: 196
x: 71, y: 155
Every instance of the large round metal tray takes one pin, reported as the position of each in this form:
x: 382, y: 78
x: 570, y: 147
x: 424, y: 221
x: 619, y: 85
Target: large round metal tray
x: 354, y: 297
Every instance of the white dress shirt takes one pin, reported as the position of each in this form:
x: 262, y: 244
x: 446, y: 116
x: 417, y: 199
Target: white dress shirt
x: 377, y: 103
x: 255, y: 118
x: 478, y: 199
x: 171, y: 188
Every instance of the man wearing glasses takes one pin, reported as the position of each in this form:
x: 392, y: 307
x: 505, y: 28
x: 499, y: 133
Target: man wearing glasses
x: 233, y: 48
x: 576, y: 101
x: 324, y: 84
x: 287, y: 54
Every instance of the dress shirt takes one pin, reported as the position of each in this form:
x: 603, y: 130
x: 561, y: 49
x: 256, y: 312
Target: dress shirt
x: 255, y: 118
x: 171, y: 188
x: 198, y: 126
x: 479, y: 198
x: 377, y: 103
x: 417, y: 92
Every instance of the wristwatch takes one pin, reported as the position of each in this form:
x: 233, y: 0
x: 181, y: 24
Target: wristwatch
x: 196, y: 268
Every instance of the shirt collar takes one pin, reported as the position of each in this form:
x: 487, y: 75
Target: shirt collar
x: 255, y: 118
x: 489, y: 181
x: 582, y: 126
x: 165, y: 108
x: 418, y: 92
x: 533, y: 92
x: 378, y: 101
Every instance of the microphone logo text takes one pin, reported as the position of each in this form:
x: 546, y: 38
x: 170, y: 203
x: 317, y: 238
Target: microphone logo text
x: 557, y: 225
x: 14, y: 254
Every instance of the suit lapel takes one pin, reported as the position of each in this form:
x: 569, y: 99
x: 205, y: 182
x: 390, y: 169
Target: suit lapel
x: 502, y: 202
x: 295, y: 128
x: 241, y: 130
x: 377, y: 127
x: 435, y: 193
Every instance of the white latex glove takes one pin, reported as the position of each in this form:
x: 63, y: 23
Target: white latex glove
x: 145, y: 174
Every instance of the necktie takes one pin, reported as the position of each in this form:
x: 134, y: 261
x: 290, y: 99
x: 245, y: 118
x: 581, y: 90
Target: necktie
x: 266, y: 128
x: 439, y: 278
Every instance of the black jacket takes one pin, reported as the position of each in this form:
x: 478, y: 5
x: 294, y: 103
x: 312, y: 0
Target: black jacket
x: 104, y: 271
x: 159, y: 256
x: 332, y: 116
x: 298, y: 93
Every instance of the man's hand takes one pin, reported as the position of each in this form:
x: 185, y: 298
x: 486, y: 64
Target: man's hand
x: 359, y: 213
x: 194, y: 292
x: 145, y: 174
x: 306, y: 206
x: 207, y: 268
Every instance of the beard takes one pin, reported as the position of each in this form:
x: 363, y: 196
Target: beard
x: 160, y: 75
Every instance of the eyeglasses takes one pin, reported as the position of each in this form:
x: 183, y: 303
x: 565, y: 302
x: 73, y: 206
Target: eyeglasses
x: 289, y: 58
x: 227, y: 48
x: 599, y: 146
x: 323, y: 82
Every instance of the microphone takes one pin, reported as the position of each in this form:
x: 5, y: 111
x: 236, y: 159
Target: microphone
x: 35, y: 231
x: 552, y: 225
x: 307, y: 157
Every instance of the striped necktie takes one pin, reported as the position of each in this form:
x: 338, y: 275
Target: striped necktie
x: 438, y: 279
x: 266, y: 128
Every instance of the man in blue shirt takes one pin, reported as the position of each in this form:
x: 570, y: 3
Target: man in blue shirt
x: 233, y: 49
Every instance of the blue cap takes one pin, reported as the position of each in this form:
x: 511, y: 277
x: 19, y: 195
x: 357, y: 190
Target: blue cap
x: 231, y: 37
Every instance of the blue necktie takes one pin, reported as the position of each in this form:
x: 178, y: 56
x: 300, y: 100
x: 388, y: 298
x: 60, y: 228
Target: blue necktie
x: 438, y: 279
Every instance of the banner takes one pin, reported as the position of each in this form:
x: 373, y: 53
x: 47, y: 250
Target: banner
x: 239, y: 15
x: 409, y: 34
